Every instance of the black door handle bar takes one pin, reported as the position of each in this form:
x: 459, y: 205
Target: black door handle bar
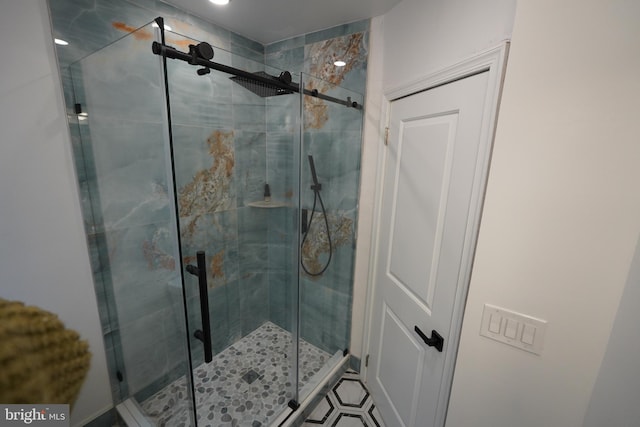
x: 203, y: 334
x: 435, y: 340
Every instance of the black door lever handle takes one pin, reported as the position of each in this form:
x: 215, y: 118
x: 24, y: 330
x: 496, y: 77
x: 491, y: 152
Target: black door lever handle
x: 436, y: 339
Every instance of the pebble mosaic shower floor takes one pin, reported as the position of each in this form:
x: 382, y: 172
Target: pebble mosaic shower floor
x: 247, y: 384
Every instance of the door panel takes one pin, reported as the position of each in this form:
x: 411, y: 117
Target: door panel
x: 431, y: 163
x: 423, y: 173
x: 397, y: 342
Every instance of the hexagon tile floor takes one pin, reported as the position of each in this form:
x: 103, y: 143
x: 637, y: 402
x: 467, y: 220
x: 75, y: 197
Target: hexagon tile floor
x: 348, y: 404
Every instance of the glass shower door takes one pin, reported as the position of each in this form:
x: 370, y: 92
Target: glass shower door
x: 222, y: 135
x: 120, y: 131
x: 330, y: 172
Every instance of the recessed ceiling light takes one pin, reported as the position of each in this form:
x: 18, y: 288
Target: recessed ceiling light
x: 61, y: 42
x: 339, y: 63
x: 220, y: 2
x: 166, y: 27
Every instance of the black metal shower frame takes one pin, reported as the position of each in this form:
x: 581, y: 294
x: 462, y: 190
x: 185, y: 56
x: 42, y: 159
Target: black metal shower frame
x: 194, y: 59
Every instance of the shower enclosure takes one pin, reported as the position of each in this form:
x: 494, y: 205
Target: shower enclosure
x: 228, y: 285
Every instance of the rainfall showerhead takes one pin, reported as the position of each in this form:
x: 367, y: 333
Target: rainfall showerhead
x: 262, y: 88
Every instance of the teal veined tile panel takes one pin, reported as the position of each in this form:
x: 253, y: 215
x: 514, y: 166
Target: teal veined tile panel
x: 91, y: 25
x: 291, y: 59
x: 321, y: 55
x: 285, y: 45
x: 339, y: 31
x: 251, y: 163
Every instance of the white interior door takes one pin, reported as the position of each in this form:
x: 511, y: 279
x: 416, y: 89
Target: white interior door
x: 430, y: 176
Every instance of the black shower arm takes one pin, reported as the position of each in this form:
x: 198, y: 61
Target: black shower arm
x: 173, y: 53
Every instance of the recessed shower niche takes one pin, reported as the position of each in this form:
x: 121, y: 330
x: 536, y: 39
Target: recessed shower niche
x: 173, y: 163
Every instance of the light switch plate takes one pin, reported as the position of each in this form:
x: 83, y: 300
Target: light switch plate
x: 512, y: 328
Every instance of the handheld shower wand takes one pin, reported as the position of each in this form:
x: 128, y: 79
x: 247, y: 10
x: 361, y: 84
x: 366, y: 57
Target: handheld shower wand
x: 316, y: 187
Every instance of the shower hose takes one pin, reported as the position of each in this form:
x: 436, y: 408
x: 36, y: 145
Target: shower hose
x: 317, y: 197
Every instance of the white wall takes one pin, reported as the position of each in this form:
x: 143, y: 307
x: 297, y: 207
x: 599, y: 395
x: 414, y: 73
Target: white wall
x: 368, y: 181
x: 43, y: 253
x: 614, y: 401
x: 423, y: 36
x: 561, y: 216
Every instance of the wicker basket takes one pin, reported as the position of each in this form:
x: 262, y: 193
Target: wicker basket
x: 40, y: 360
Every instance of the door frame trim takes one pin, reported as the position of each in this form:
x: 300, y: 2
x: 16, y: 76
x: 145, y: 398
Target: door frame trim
x: 494, y: 62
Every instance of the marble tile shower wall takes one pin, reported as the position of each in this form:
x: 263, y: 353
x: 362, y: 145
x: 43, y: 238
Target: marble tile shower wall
x: 224, y: 134
x: 332, y: 134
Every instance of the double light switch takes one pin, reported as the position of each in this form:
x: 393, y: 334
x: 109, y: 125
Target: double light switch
x: 515, y: 329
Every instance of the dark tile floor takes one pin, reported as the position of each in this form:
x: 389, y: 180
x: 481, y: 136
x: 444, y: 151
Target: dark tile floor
x: 348, y: 404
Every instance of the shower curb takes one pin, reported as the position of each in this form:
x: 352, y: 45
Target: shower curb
x: 132, y: 415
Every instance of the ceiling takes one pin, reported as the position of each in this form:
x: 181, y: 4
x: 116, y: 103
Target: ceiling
x: 268, y: 21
